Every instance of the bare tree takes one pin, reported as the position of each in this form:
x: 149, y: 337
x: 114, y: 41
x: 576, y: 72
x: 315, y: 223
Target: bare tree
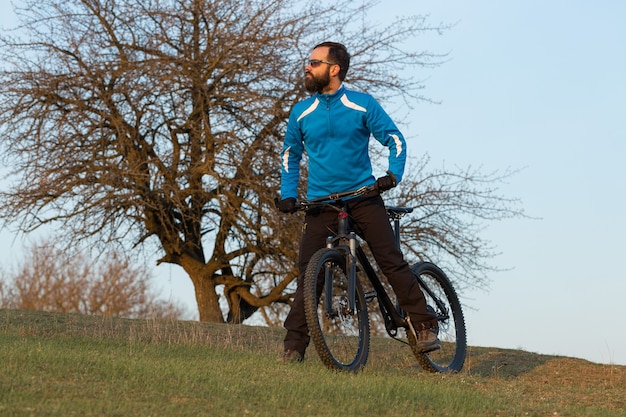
x: 161, y: 121
x: 51, y: 279
x: 451, y: 208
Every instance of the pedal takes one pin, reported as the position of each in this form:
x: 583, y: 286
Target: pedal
x: 370, y: 296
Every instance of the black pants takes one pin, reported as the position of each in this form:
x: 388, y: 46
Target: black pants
x: 371, y: 220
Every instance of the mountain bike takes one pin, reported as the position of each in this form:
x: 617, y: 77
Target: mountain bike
x: 336, y: 304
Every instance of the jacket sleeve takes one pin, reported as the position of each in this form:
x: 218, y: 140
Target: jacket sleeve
x: 385, y: 131
x: 291, y: 156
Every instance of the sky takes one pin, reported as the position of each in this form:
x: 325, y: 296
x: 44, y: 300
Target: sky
x: 539, y: 86
x: 536, y: 86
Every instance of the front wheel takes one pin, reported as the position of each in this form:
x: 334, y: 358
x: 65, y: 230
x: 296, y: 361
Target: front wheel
x: 442, y: 300
x: 340, y: 336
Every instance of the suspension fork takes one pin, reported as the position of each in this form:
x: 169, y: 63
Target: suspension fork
x: 350, y: 260
x: 351, y: 264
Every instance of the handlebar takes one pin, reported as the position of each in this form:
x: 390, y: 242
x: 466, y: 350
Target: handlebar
x: 334, y: 197
x: 393, y: 212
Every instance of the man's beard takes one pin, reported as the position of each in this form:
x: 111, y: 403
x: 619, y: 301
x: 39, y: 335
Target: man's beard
x: 313, y: 84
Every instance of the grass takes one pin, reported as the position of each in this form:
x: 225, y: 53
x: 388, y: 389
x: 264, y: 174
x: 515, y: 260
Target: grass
x: 73, y: 365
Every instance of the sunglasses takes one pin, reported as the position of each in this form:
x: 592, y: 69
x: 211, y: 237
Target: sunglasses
x: 314, y: 63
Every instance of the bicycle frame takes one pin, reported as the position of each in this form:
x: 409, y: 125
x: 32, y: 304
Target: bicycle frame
x: 346, y: 241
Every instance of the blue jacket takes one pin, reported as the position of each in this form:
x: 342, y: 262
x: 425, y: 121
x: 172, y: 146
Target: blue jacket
x: 334, y: 129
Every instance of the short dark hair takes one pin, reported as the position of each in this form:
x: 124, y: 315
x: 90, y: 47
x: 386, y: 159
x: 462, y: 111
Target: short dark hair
x: 338, y: 54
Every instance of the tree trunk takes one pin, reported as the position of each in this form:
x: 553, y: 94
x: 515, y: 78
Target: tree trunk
x: 204, y: 287
x: 208, y: 301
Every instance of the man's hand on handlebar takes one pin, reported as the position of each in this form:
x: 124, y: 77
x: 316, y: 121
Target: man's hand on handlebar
x: 387, y: 182
x: 287, y: 205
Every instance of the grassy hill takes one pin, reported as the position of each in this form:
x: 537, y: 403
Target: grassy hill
x: 73, y: 365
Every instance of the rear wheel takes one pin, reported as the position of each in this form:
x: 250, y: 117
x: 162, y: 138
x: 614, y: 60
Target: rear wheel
x: 442, y: 300
x: 340, y: 336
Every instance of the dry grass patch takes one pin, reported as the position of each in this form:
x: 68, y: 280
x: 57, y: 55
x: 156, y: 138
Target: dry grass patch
x: 67, y: 364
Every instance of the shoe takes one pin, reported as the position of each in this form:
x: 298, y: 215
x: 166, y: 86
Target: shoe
x: 291, y: 356
x: 424, y: 340
x: 427, y: 340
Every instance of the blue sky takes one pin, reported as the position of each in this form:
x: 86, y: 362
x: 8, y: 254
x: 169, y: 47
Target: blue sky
x: 539, y: 85
x: 535, y: 85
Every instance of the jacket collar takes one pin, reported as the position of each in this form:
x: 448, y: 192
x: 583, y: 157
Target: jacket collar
x: 337, y: 94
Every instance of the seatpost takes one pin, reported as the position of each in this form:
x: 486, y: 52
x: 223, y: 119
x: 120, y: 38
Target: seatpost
x: 396, y: 231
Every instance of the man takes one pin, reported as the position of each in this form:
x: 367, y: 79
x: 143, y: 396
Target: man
x: 334, y: 127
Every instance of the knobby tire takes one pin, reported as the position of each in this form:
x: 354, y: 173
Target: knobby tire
x: 341, y: 340
x: 452, y: 333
